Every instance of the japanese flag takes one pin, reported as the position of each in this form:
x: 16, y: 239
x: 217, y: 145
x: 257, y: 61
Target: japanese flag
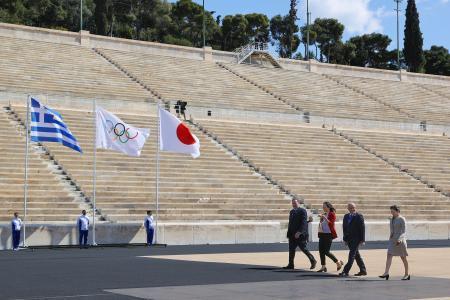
x: 175, y: 136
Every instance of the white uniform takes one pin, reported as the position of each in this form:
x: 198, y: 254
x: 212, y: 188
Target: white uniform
x: 148, y: 222
x: 83, y: 223
x: 17, y: 224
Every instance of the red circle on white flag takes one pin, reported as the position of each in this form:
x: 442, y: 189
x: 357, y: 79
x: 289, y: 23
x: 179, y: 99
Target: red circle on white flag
x: 184, y: 135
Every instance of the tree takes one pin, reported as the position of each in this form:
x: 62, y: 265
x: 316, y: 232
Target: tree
x: 234, y: 32
x: 280, y: 31
x: 329, y: 34
x: 312, y: 39
x: 437, y: 61
x: 187, y: 17
x: 292, y: 28
x: 100, y: 15
x: 258, y: 27
x: 413, y: 41
x: 371, y: 50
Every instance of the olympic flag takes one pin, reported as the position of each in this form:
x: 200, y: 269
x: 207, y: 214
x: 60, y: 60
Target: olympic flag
x: 114, y: 134
x: 175, y: 136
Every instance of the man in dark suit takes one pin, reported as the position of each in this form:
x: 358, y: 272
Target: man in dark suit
x: 354, y: 237
x: 298, y: 234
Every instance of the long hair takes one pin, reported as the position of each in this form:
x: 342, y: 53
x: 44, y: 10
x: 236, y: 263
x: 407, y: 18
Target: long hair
x: 330, y: 206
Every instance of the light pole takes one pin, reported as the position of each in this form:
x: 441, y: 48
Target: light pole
x: 308, y: 14
x: 398, y: 36
x: 81, y: 15
x: 204, y: 26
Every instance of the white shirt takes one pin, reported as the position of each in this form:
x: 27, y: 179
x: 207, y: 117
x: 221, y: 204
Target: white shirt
x: 84, y: 221
x: 16, y: 223
x: 325, y: 226
x: 148, y: 219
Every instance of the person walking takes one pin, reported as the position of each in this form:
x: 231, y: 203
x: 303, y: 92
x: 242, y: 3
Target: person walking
x: 298, y: 234
x: 16, y: 227
x: 354, y: 237
x: 327, y: 233
x: 397, y: 243
x: 148, y: 224
x: 83, y: 229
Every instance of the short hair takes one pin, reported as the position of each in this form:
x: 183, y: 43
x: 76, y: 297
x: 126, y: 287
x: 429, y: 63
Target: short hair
x: 395, y: 207
x: 83, y: 211
x: 149, y: 212
x: 16, y: 213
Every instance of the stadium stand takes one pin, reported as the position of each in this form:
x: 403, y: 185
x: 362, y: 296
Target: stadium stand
x: 33, y: 66
x: 317, y: 94
x: 199, y: 83
x: 49, y: 199
x: 423, y: 104
x: 424, y: 155
x: 212, y: 187
x: 320, y: 166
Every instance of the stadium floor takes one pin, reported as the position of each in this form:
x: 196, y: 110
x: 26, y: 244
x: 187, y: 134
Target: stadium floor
x: 214, y: 272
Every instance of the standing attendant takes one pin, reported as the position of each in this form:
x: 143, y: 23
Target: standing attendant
x: 16, y: 226
x: 83, y: 229
x: 354, y: 237
x: 397, y: 243
x: 148, y: 224
x: 298, y: 234
x: 327, y: 233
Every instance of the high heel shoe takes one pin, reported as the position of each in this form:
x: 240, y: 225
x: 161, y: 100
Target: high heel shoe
x: 384, y: 276
x: 340, y: 264
x: 322, y: 270
x: 406, y: 277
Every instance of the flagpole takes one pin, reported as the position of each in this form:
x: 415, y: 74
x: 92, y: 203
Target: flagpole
x: 94, y: 175
x: 157, y: 175
x: 25, y: 186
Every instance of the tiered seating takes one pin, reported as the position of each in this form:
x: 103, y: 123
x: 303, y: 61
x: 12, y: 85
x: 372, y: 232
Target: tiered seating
x: 424, y: 155
x: 409, y: 97
x: 212, y: 187
x: 320, y: 166
x: 318, y: 95
x: 47, y: 199
x: 32, y: 66
x: 199, y: 83
x: 440, y: 89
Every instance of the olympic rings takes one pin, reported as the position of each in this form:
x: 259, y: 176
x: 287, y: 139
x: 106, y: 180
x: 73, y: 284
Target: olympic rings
x: 121, y: 132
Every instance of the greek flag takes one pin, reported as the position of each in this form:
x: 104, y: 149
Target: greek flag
x: 47, y: 126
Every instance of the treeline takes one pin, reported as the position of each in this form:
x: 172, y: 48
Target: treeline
x: 181, y: 23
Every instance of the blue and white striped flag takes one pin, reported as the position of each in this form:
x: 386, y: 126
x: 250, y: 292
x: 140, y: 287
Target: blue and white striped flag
x: 47, y: 126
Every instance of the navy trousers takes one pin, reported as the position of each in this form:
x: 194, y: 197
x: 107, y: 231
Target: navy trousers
x: 354, y: 255
x: 300, y: 243
x: 150, y: 233
x: 16, y: 238
x: 83, y: 237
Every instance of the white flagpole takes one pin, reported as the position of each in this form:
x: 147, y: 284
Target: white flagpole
x: 25, y: 186
x: 157, y: 175
x: 94, y: 175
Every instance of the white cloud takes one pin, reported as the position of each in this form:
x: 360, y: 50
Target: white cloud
x: 356, y: 15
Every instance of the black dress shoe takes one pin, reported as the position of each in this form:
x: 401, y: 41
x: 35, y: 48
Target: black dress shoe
x: 343, y: 274
x: 384, y: 276
x: 289, y: 267
x: 361, y: 273
x: 313, y: 265
x: 322, y: 270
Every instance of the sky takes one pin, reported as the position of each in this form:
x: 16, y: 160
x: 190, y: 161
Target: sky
x: 358, y: 16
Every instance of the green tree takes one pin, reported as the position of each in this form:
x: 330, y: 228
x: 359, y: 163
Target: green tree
x: 371, y: 50
x: 312, y: 39
x: 329, y: 35
x: 234, y: 32
x: 437, y: 61
x: 187, y: 17
x: 413, y: 41
x: 280, y: 31
x: 258, y: 27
